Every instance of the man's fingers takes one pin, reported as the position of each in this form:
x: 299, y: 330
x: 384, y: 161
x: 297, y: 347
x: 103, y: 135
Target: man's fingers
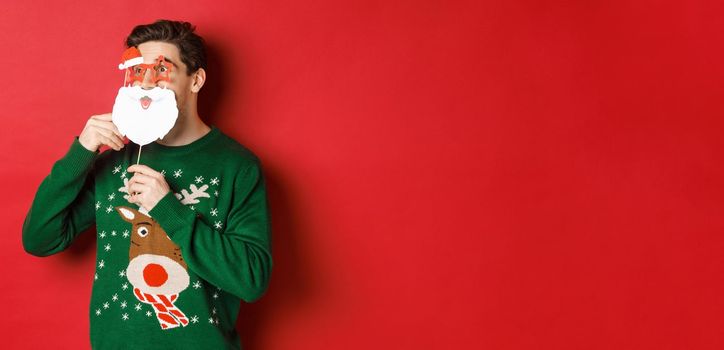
x: 143, y: 169
x: 136, y: 188
x: 141, y: 178
x: 105, y: 116
x: 117, y: 134
x: 112, y: 140
x: 107, y: 125
x: 116, y: 131
x: 106, y: 130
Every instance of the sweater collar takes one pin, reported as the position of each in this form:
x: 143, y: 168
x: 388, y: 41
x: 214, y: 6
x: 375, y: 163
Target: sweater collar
x: 160, y: 149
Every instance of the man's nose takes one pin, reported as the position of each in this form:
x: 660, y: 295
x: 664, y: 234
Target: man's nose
x: 148, y: 83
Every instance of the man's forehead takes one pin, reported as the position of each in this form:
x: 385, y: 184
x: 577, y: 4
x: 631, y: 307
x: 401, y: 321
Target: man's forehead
x: 153, y: 49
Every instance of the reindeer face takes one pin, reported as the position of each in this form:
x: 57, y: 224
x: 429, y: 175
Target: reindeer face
x: 155, y: 261
x: 147, y: 237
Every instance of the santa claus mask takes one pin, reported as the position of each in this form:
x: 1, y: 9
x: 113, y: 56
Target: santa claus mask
x: 144, y: 116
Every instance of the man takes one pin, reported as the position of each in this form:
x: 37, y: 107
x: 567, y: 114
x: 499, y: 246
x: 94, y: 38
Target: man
x: 183, y: 236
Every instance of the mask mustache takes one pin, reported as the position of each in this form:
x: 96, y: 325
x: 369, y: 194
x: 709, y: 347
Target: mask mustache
x: 154, y: 94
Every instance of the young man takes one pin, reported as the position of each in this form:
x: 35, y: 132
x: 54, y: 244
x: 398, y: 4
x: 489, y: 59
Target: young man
x: 183, y: 236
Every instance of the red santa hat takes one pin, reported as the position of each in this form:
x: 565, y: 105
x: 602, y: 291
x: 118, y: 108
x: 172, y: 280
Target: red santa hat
x: 130, y: 58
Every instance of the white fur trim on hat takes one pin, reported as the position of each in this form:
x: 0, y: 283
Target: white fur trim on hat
x: 130, y: 63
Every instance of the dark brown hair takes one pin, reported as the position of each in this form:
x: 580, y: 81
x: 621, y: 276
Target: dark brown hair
x: 190, y: 45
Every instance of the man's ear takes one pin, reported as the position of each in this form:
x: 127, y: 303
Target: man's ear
x: 197, y: 80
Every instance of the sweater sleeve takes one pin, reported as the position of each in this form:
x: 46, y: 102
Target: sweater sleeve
x: 63, y: 205
x: 237, y: 260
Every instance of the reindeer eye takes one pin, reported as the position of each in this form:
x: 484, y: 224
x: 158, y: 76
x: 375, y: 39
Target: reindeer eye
x: 142, y: 231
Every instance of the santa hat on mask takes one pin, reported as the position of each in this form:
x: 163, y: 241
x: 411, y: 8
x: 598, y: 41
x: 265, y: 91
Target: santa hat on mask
x: 130, y: 58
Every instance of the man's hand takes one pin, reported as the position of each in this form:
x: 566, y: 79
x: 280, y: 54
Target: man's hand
x: 146, y: 187
x: 99, y: 130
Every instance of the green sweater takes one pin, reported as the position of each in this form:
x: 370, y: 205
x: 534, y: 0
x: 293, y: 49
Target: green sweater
x: 172, y: 277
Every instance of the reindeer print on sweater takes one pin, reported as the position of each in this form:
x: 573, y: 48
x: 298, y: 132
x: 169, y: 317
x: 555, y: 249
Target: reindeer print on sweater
x: 155, y: 269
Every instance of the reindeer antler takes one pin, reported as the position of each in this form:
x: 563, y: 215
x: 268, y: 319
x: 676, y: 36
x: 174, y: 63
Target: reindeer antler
x: 196, y: 192
x: 124, y: 189
x: 185, y: 197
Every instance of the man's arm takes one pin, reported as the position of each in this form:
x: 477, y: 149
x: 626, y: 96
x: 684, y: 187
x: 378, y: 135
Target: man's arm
x: 63, y: 205
x: 239, y: 259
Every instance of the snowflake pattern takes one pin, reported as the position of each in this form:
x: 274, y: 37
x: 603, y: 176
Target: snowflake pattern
x: 107, y: 247
x: 194, y: 319
x: 197, y: 285
x: 109, y: 209
x: 138, y: 307
x: 98, y: 312
x: 199, y: 179
x: 215, y: 181
x: 98, y: 205
x: 177, y: 173
x: 217, y: 225
x: 123, y: 304
x: 214, y: 212
x: 102, y: 234
x: 101, y: 264
x: 125, y: 317
x: 122, y: 273
x: 115, y: 297
x: 111, y: 196
x: 106, y: 305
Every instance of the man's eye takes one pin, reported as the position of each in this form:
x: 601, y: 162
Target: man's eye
x: 162, y: 69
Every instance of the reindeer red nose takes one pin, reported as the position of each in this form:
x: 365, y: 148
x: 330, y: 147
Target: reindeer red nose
x: 155, y: 275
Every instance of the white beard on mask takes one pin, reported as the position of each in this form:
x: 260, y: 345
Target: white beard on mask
x: 144, y: 115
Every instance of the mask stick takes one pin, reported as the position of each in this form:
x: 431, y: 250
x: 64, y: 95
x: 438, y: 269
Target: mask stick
x: 139, y: 159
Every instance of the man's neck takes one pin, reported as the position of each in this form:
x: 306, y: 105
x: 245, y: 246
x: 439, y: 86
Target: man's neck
x: 187, y: 129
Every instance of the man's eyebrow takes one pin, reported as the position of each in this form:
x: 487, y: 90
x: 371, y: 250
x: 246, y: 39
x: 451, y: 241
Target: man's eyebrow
x: 168, y: 60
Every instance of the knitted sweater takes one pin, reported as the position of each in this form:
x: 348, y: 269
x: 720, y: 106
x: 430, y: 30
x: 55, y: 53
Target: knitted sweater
x: 172, y: 277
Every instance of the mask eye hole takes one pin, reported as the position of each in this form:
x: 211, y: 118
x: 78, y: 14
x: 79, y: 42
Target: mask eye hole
x: 138, y: 71
x: 142, y: 231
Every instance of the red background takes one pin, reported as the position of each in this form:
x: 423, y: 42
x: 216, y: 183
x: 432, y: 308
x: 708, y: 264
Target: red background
x: 442, y: 174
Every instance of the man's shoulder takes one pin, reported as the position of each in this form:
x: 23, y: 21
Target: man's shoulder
x: 235, y: 152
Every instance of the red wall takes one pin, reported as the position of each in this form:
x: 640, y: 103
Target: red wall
x: 442, y: 174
